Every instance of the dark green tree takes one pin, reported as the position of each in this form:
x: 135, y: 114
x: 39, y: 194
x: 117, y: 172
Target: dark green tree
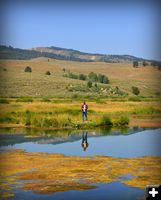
x: 135, y: 90
x: 95, y: 85
x: 89, y: 84
x: 82, y: 77
x: 105, y: 80
x: 100, y: 78
x: 145, y: 63
x: 135, y: 64
x: 28, y: 69
x: 48, y: 73
x: 93, y: 77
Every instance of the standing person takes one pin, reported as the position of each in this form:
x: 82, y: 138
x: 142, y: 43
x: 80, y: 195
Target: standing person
x: 84, y: 110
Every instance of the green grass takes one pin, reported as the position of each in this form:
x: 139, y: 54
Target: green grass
x: 150, y: 110
x: 24, y: 99
x: 4, y: 101
x: 28, y: 118
x: 45, y: 99
x: 66, y: 113
x: 9, y: 119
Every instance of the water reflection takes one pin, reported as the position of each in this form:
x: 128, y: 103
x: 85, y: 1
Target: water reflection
x: 85, y: 143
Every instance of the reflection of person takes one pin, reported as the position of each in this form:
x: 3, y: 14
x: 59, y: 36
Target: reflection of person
x: 84, y: 141
x: 84, y: 108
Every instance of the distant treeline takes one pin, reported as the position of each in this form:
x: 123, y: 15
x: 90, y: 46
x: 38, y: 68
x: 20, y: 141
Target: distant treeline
x: 151, y: 63
x: 22, y: 54
x: 8, y: 52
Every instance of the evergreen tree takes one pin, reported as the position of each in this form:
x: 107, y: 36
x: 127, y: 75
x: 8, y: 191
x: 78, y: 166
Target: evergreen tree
x: 82, y: 77
x: 93, y: 77
x: 89, y: 84
x: 135, y: 64
x: 135, y: 90
x: 28, y: 69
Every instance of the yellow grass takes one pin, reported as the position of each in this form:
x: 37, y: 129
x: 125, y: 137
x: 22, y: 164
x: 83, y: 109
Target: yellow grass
x: 15, y: 82
x: 71, y: 111
x: 48, y: 173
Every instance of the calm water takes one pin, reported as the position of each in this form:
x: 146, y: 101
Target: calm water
x: 134, y: 142
x: 117, y: 144
x: 111, y: 191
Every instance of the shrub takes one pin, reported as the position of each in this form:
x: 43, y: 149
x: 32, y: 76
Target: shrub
x: 93, y: 77
x: 89, y: 84
x: 4, y: 69
x: 82, y: 77
x: 122, y: 121
x: 100, y: 78
x: 135, y: 90
x: 48, y: 73
x: 28, y: 69
x: 106, y: 121
x: 71, y: 75
x: 103, y: 79
x: 95, y: 85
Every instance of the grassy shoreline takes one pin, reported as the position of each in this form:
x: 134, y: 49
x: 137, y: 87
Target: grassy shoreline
x: 67, y: 114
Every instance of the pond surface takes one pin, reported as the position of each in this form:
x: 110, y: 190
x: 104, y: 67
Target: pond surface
x: 133, y: 142
x: 111, y: 191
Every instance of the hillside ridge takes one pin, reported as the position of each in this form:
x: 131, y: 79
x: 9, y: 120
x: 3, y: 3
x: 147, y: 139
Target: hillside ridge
x: 8, y: 52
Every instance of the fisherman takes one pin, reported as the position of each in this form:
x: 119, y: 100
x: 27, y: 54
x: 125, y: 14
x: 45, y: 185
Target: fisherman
x: 84, y: 109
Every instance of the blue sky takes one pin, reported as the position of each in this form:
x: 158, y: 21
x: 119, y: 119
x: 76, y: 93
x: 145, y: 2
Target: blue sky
x: 109, y: 28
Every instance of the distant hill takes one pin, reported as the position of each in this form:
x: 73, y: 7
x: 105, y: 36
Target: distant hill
x: 63, y: 54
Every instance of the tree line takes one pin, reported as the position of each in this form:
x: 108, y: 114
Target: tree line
x: 92, y: 77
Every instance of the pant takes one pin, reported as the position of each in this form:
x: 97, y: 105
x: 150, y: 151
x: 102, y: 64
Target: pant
x: 84, y: 114
x: 84, y: 137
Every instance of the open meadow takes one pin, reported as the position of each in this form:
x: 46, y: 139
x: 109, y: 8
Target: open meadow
x: 16, y: 83
x: 53, y: 101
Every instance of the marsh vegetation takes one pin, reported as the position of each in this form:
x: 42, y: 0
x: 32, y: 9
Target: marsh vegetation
x: 66, y: 113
